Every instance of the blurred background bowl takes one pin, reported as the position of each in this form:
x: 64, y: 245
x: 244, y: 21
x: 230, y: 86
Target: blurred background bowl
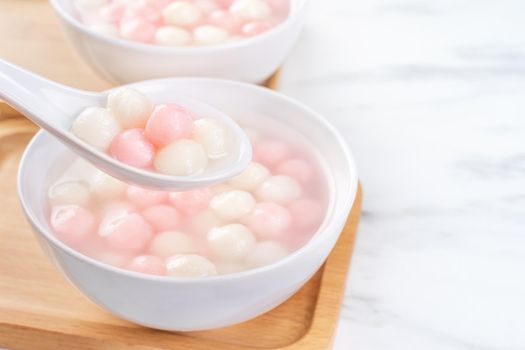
x: 250, y: 60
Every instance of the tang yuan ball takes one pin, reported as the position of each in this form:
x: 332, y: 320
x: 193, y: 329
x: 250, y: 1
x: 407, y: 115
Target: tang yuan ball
x: 107, y: 29
x: 251, y: 177
x: 132, y: 147
x: 206, y: 6
x: 250, y: 10
x: 182, y: 13
x: 97, y: 127
x: 271, y: 152
x: 72, y: 224
x: 297, y: 240
x: 181, y: 158
x: 69, y: 192
x: 268, y: 220
x: 98, y: 250
x: 279, y: 6
x: 113, y: 213
x: 148, y: 10
x: 162, y: 217
x: 266, y: 253
x: 213, y: 136
x: 201, y: 246
x: 112, y: 258
x: 191, y: 201
x: 148, y: 264
x: 115, y: 209
x: 128, y: 233
x: 226, y: 267
x: 172, y: 36
x: 210, y: 35
x: 232, y: 205
x: 168, y: 243
x: 221, y: 188
x: 306, y: 213
x: 80, y: 170
x: 231, y: 242
x: 143, y: 197
x: 169, y: 123
x: 138, y: 30
x: 280, y: 189
x: 226, y: 20
x: 112, y: 12
x: 130, y: 107
x: 106, y: 187
x: 298, y: 169
x: 224, y: 3
x: 189, y: 266
x: 256, y: 28
x: 202, y: 222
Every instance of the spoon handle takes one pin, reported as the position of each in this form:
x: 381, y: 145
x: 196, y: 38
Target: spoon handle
x: 47, y: 103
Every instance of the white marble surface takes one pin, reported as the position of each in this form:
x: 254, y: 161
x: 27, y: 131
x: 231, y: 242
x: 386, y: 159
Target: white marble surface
x: 431, y: 98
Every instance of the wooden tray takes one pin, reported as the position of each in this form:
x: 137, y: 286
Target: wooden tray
x: 39, y: 310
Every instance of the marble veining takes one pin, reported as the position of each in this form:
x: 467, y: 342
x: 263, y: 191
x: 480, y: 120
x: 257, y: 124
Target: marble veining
x: 430, y: 96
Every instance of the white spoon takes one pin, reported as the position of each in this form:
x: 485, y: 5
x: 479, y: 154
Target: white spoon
x: 54, y: 107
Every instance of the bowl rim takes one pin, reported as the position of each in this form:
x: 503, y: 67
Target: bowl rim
x: 320, y: 234
x: 129, y: 44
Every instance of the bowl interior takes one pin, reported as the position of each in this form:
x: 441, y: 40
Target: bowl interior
x: 245, y: 103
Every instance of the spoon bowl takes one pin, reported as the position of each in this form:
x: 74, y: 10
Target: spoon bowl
x: 54, y: 107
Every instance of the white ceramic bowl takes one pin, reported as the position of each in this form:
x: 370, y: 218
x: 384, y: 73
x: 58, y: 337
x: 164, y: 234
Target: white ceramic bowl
x: 251, y: 60
x: 195, y: 304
